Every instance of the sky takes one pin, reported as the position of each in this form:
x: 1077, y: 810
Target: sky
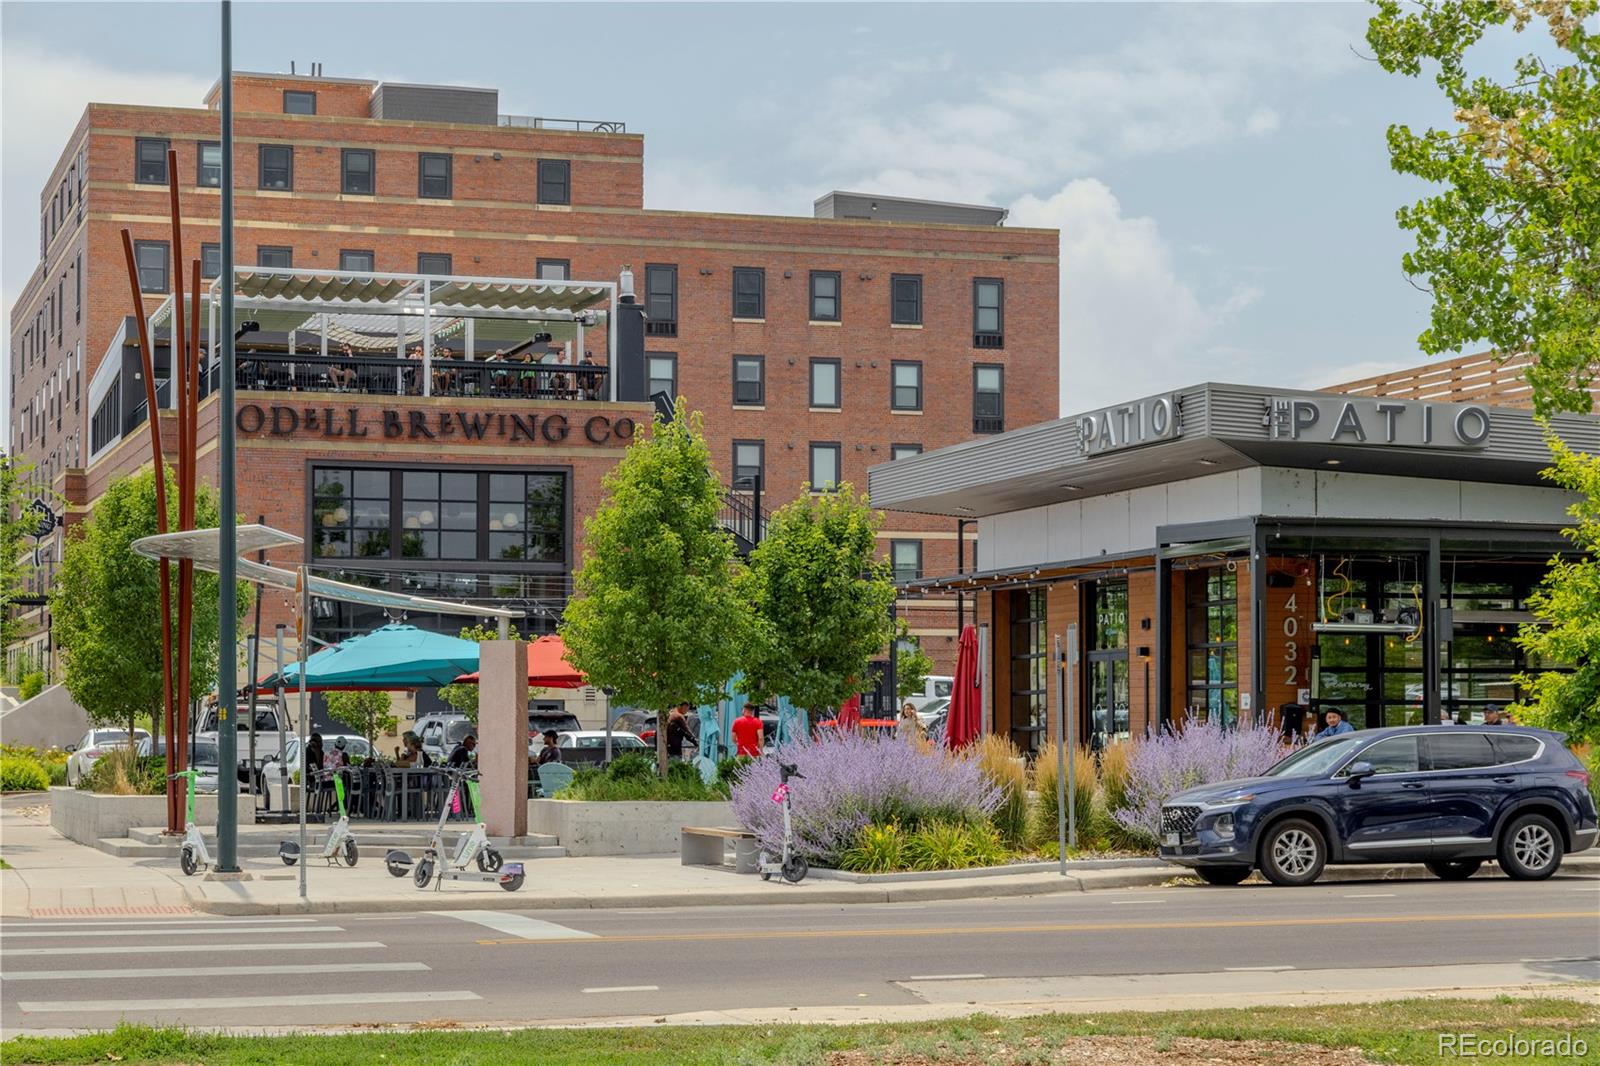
x: 1218, y: 171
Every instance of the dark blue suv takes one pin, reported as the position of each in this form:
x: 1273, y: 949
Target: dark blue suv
x: 1447, y: 796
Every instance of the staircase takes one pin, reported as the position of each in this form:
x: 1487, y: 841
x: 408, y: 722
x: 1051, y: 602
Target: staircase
x: 742, y: 516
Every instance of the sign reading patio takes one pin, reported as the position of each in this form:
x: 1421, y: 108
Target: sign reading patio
x: 433, y: 424
x: 1378, y: 421
x: 1146, y: 421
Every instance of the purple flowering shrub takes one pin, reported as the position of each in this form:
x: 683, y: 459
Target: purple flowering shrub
x: 852, y: 779
x: 1166, y: 763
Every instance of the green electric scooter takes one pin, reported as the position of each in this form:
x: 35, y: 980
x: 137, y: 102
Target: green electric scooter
x: 436, y: 866
x: 193, y: 854
x: 340, y: 845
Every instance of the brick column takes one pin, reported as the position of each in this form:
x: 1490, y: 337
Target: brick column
x: 503, y: 736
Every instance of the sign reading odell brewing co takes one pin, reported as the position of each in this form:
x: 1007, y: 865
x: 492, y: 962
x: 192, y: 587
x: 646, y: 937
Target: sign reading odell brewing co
x: 357, y: 422
x: 1377, y: 421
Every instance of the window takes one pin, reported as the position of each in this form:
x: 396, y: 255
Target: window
x: 903, y: 451
x: 905, y: 299
x: 435, y: 179
x: 1513, y: 748
x: 350, y: 513
x: 277, y: 167
x: 355, y: 259
x: 1030, y: 667
x: 660, y: 300
x: 1458, y: 751
x: 299, y: 102
x: 988, y: 398
x: 661, y: 374
x: 1108, y: 663
x: 151, y: 259
x: 824, y: 466
x: 150, y: 161
x: 208, y: 165
x: 433, y: 263
x: 1397, y: 755
x: 1212, y: 605
x: 988, y: 313
x: 749, y: 380
x: 210, y: 261
x: 825, y: 383
x: 439, y: 515
x: 275, y: 257
x: 553, y: 269
x: 555, y: 181
x: 906, y: 558
x: 824, y: 296
x: 527, y: 517
x: 749, y: 464
x: 77, y: 281
x: 749, y: 292
x: 906, y: 392
x: 356, y: 167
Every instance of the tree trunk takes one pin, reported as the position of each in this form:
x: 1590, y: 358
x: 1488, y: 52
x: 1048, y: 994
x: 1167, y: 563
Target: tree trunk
x: 661, y: 743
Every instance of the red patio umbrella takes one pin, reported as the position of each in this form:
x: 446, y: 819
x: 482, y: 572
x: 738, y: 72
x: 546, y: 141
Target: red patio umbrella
x: 962, y: 725
x: 547, y: 666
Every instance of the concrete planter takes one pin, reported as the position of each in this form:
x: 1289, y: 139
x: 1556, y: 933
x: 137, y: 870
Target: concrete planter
x: 89, y: 817
x: 644, y: 828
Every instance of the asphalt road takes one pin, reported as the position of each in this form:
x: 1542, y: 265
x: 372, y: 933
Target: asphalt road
x: 478, y: 967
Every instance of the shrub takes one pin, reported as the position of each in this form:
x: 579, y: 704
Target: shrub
x: 636, y: 780
x: 1003, y: 767
x: 1166, y: 763
x: 32, y: 685
x: 729, y: 768
x: 57, y: 772
x: 121, y: 772
x: 22, y: 775
x: 1114, y: 775
x: 1045, y: 825
x: 877, y: 849
x: 631, y: 765
x: 945, y: 845
x: 852, y: 780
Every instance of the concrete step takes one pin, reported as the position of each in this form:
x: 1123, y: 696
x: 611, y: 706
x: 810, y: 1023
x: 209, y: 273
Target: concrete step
x: 127, y: 848
x: 368, y: 835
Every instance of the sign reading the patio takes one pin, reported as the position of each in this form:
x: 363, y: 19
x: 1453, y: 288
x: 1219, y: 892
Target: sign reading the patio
x: 431, y: 425
x: 1394, y: 423
x: 1128, y: 425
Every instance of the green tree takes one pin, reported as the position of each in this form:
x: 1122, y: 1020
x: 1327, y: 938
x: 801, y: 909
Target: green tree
x: 1509, y: 247
x: 656, y: 617
x: 821, y: 599
x: 911, y: 664
x: 464, y: 698
x: 366, y: 712
x: 106, y: 605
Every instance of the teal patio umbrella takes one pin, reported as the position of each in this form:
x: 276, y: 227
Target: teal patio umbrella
x: 390, y: 657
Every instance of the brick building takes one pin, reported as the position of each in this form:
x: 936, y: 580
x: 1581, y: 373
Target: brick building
x: 815, y: 346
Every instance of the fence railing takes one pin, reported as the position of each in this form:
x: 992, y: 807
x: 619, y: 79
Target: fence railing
x: 580, y: 125
x: 377, y: 376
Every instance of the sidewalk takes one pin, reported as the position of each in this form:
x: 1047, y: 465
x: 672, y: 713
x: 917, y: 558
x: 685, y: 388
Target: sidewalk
x: 51, y: 877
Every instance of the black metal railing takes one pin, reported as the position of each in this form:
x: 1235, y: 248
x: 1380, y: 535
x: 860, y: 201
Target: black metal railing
x: 373, y: 375
x: 743, y: 516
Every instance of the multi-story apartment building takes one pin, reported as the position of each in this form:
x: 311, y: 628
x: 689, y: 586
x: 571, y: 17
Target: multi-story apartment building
x: 815, y: 346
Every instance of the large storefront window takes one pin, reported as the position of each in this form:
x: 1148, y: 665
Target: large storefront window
x: 1107, y: 705
x: 1213, y: 644
x: 1030, y: 666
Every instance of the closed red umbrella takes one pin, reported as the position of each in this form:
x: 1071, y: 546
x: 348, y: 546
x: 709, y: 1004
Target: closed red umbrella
x: 849, y: 716
x: 962, y: 724
x: 547, y: 666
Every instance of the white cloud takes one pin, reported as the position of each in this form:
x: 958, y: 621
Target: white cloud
x: 1262, y: 121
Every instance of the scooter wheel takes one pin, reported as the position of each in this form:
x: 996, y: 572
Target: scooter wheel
x: 490, y: 860
x: 765, y: 876
x: 288, y: 860
x: 397, y: 869
x: 187, y: 861
x: 512, y: 883
x: 795, y: 869
x: 351, y: 852
x: 422, y: 874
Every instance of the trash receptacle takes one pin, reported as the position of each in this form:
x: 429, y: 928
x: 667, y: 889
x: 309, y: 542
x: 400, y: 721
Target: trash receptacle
x: 746, y: 855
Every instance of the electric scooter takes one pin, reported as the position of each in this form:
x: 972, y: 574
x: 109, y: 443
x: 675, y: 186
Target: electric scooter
x: 473, y: 847
x: 340, y: 845
x: 193, y: 855
x: 791, y: 865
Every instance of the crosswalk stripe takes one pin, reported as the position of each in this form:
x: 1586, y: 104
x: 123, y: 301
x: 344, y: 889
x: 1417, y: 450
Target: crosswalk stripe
x: 223, y: 928
x: 214, y: 971
x: 518, y: 925
x: 189, y: 949
x: 319, y: 999
x: 167, y: 923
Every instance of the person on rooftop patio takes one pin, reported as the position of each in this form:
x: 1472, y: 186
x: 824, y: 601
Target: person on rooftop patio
x: 343, y: 375
x: 589, y: 381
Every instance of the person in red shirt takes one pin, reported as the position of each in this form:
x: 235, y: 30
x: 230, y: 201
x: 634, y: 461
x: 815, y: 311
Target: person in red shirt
x: 747, y: 733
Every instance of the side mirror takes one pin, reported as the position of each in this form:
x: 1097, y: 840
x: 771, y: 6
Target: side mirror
x: 70, y: 748
x: 1356, y: 771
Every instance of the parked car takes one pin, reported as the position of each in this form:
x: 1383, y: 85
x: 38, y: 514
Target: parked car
x: 203, y: 756
x: 540, y: 720
x: 934, y: 687
x: 354, y: 748
x: 932, y: 711
x: 271, y: 724
x: 441, y: 733
x: 641, y: 724
x: 91, y: 746
x: 1450, y: 797
x: 584, y: 748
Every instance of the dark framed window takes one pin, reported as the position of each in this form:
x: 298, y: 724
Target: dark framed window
x: 903, y: 451
x: 905, y: 556
x: 825, y: 302
x: 1463, y: 750
x: 555, y: 181
x: 905, y: 299
x: 150, y: 160
x: 359, y: 259
x: 350, y: 513
x: 299, y: 102
x: 553, y: 269
x: 435, y: 176
x: 1106, y: 709
x: 210, y: 261
x: 825, y: 460
x: 434, y: 263
x: 208, y: 165
x: 661, y: 299
x: 988, y: 313
x: 749, y: 380
x: 527, y: 517
x: 825, y: 390
x: 1212, y: 597
x: 1027, y: 618
x: 152, y: 259
x: 988, y: 398
x: 905, y: 393
x: 276, y: 257
x: 277, y: 166
x: 357, y: 170
x: 439, y: 515
x: 749, y: 464
x: 661, y: 374
x: 749, y: 292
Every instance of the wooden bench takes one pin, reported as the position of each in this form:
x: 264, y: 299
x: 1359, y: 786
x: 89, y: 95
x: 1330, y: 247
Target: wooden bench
x: 705, y: 845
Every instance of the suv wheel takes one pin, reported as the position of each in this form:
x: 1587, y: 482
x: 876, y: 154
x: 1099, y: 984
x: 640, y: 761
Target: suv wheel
x: 1454, y: 869
x: 1222, y: 875
x: 1530, y: 848
x: 1293, y: 853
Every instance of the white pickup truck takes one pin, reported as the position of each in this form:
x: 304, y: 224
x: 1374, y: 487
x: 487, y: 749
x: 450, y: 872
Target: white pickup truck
x: 272, y: 727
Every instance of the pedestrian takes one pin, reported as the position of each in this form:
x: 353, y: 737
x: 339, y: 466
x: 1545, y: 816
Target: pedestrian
x: 314, y: 752
x: 549, y: 753
x: 678, y: 731
x: 1335, y: 724
x: 335, y: 759
x: 747, y: 733
x: 909, y: 727
x: 463, y: 756
x: 1491, y: 716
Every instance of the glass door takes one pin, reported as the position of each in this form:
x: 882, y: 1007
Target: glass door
x: 1106, y: 708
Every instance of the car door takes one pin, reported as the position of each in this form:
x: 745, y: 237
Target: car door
x: 1466, y: 789
x: 1389, y: 812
